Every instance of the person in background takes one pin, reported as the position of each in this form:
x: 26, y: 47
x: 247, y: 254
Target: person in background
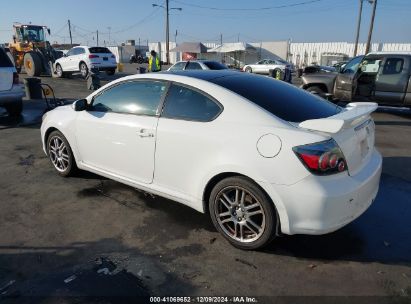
x: 153, y: 62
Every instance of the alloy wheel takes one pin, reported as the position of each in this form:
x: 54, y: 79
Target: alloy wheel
x: 59, y: 154
x: 239, y: 214
x: 83, y: 70
x: 59, y: 71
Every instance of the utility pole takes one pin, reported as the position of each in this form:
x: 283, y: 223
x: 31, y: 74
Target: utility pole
x: 139, y: 50
x: 71, y: 39
x: 358, y: 29
x: 221, y: 45
x: 97, y: 37
x: 175, y: 38
x: 167, y: 8
x: 167, y: 36
x: 374, y: 7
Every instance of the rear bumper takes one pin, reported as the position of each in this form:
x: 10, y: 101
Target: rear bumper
x: 11, y: 96
x: 323, y: 204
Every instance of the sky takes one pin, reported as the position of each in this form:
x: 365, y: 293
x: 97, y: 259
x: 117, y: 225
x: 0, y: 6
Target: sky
x: 206, y: 21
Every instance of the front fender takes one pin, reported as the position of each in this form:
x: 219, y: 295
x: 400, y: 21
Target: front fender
x: 63, y: 120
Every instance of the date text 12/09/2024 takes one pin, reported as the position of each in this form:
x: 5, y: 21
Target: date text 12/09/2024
x: 208, y: 299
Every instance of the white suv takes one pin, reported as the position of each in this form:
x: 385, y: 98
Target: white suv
x: 83, y: 58
x: 11, y: 89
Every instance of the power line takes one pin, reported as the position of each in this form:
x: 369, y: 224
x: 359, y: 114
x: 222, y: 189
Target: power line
x: 60, y: 30
x: 247, y: 9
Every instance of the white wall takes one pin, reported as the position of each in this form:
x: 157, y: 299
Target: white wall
x: 122, y: 53
x: 302, y: 52
x: 160, y: 48
x: 311, y: 52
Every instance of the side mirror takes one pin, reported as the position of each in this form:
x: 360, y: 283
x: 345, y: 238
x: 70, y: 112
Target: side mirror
x: 49, y: 31
x: 64, y: 55
x: 80, y: 105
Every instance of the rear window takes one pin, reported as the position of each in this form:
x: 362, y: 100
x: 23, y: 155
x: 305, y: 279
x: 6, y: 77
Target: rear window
x: 279, y: 98
x: 5, y: 61
x: 99, y: 50
x: 213, y: 65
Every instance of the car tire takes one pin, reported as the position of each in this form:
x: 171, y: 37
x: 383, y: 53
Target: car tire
x: 83, y: 69
x: 15, y: 108
x: 243, y: 213
x: 32, y: 64
x: 316, y: 90
x: 248, y: 69
x: 59, y: 71
x: 111, y: 72
x: 60, y: 154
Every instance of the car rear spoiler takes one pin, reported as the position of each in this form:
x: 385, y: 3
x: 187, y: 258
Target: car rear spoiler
x: 355, y: 113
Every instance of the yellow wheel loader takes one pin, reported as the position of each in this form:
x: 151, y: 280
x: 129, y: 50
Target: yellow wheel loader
x: 31, y: 50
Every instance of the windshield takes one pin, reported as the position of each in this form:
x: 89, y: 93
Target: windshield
x: 281, y: 99
x: 31, y: 33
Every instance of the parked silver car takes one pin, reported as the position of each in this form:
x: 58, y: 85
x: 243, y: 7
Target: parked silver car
x: 11, y: 90
x: 197, y: 65
x: 264, y: 66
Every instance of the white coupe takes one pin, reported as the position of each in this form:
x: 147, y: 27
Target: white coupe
x: 261, y: 156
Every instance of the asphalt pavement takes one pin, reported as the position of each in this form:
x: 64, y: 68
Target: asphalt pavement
x: 62, y: 239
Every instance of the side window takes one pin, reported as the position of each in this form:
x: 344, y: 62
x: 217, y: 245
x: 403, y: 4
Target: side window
x: 371, y: 65
x: 80, y: 51
x: 193, y: 66
x: 70, y: 53
x: 187, y: 104
x: 178, y: 66
x: 134, y: 97
x: 77, y: 51
x: 393, y: 66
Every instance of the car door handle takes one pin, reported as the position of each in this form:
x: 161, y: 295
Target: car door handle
x: 145, y: 133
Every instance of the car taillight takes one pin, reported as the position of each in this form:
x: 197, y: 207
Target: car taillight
x: 323, y: 158
x: 16, y: 79
x: 92, y: 56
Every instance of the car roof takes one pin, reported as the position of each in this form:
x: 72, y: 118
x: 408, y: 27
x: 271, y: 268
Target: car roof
x: 206, y: 75
x: 197, y: 60
x: 390, y: 53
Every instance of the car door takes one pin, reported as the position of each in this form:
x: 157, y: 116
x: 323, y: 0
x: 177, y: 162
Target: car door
x: 117, y: 134
x: 271, y: 65
x: 78, y: 54
x: 65, y: 61
x: 259, y: 67
x: 186, y: 138
x: 392, y: 79
x: 343, y: 88
x: 6, y: 72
